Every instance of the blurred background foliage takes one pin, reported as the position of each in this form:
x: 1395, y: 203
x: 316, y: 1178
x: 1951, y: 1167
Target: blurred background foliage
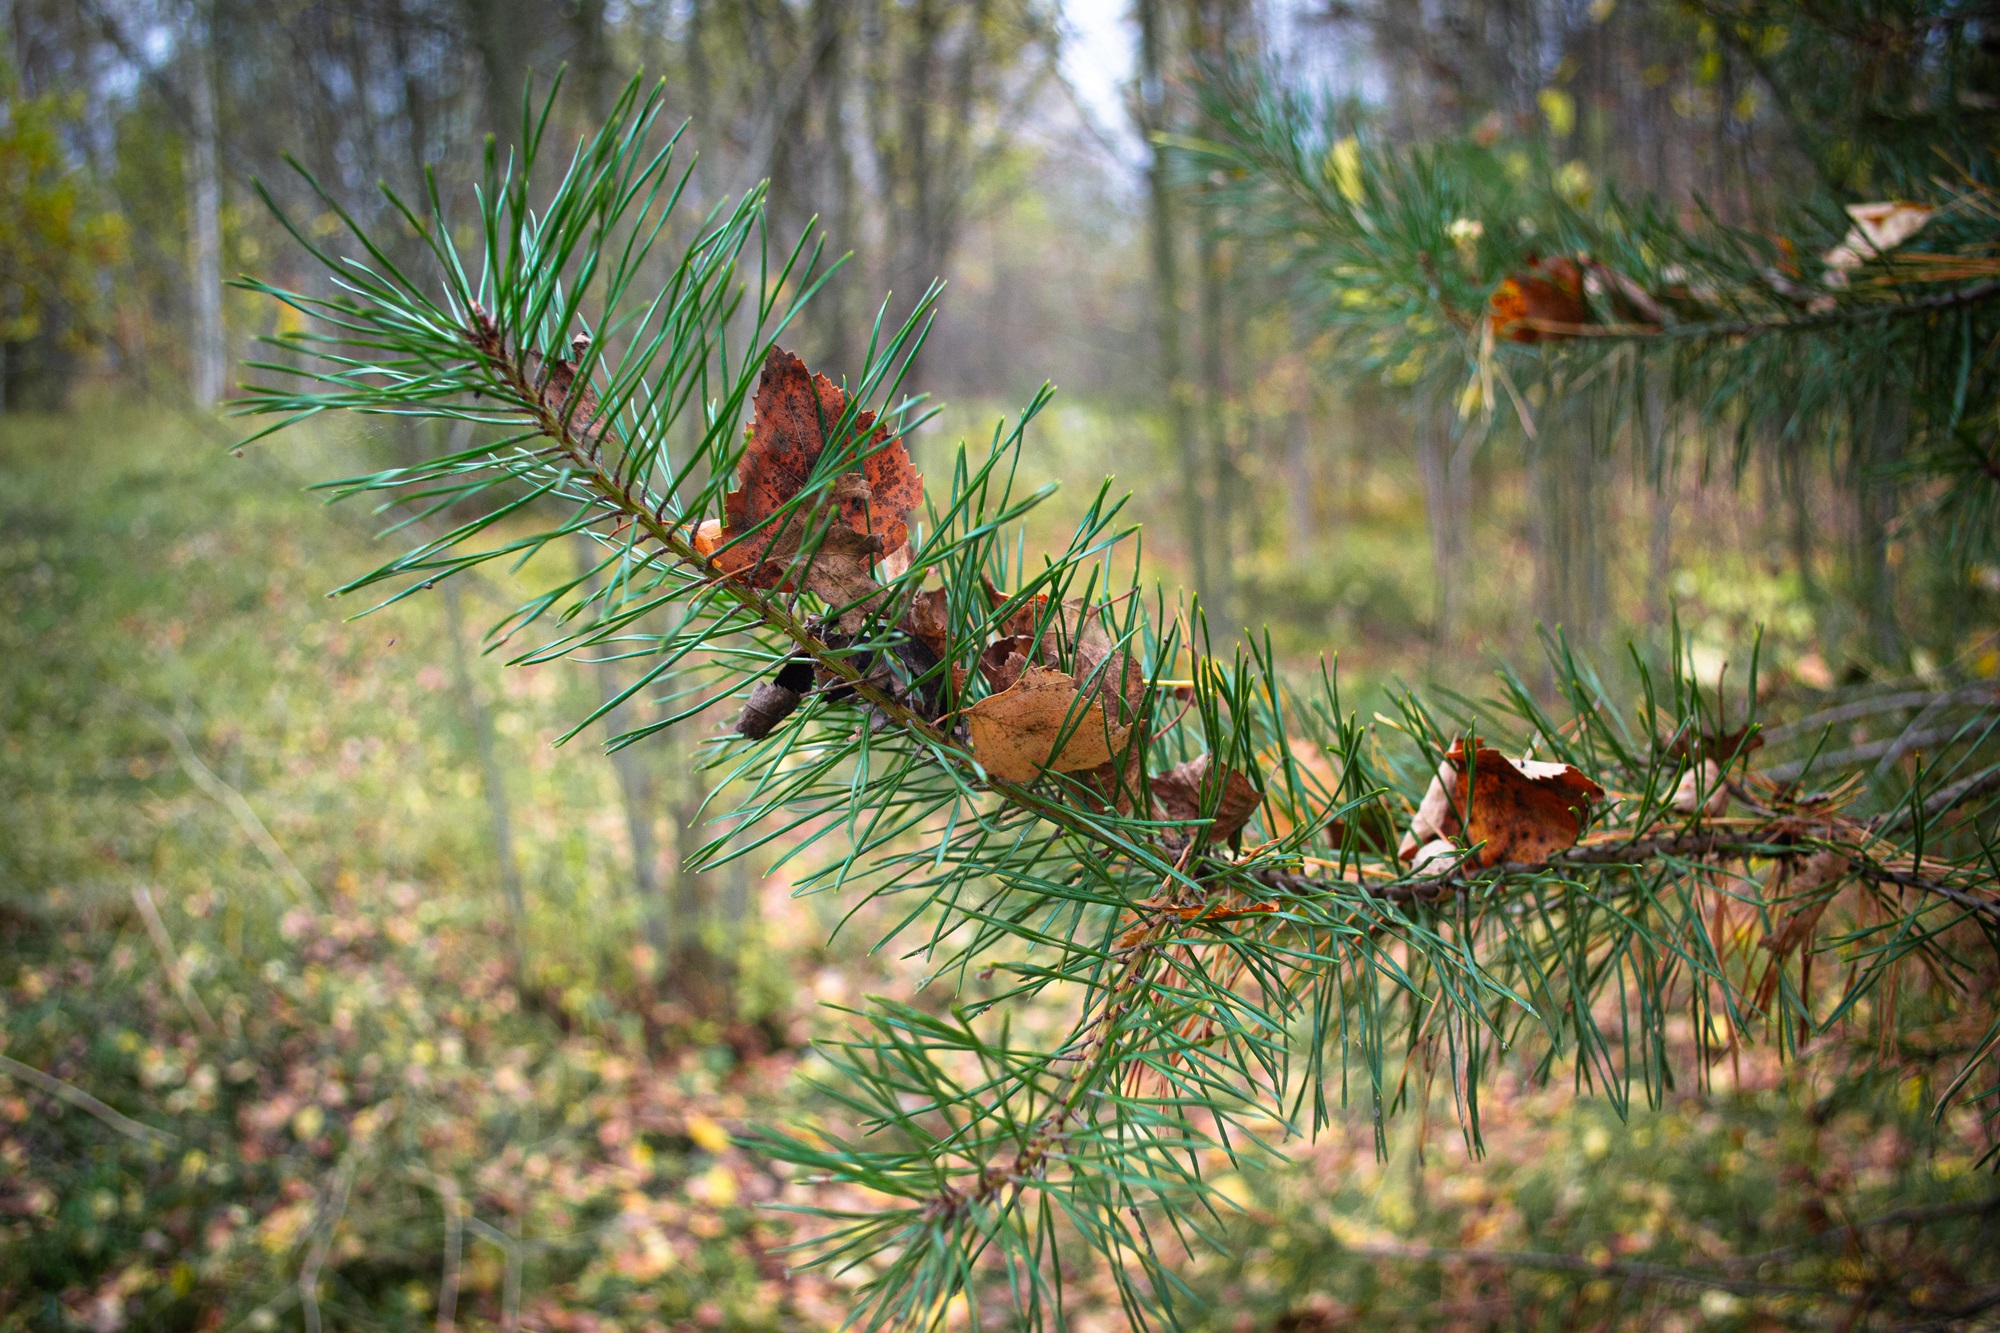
x: 332, y: 992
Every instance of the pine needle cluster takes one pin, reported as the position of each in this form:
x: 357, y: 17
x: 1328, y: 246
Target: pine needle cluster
x: 1243, y: 904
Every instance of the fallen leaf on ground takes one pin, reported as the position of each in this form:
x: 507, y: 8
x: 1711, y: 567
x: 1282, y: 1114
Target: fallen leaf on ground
x: 1185, y: 791
x: 1521, y: 810
x: 1014, y: 732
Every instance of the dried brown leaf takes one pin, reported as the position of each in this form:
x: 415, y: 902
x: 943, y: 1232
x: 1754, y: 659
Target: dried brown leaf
x: 1521, y: 810
x: 1014, y: 732
x: 1184, y: 791
x: 929, y: 621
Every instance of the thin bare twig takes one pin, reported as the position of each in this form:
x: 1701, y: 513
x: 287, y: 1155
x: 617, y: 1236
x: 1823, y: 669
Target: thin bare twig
x: 510, y: 1289
x: 163, y: 944
x: 231, y: 799
x: 83, y: 1101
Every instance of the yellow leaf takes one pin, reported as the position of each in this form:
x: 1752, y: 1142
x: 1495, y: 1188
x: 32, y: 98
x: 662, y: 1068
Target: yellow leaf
x: 1559, y: 110
x: 707, y: 1135
x: 1343, y: 167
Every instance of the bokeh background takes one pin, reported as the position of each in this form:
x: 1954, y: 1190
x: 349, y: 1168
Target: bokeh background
x: 325, y: 972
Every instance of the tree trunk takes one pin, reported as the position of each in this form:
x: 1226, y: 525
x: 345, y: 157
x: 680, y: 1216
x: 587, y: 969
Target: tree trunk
x: 635, y: 783
x: 1220, y: 590
x: 210, y: 361
x: 492, y: 776
x: 1659, y: 457
x: 1445, y: 469
x: 1165, y: 254
x: 696, y: 973
x: 498, y: 32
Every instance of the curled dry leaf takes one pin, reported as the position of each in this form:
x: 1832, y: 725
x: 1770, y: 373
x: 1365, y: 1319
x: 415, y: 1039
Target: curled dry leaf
x: 1434, y: 858
x: 555, y: 384
x: 929, y: 621
x: 1185, y: 791
x: 1878, y: 228
x: 1014, y: 732
x: 1547, y: 291
x: 1074, y: 638
x: 1701, y: 791
x: 793, y: 411
x: 1521, y: 810
x: 1083, y: 641
x: 1002, y: 662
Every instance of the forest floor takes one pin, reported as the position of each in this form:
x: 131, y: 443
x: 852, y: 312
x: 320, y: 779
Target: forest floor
x: 276, y: 1050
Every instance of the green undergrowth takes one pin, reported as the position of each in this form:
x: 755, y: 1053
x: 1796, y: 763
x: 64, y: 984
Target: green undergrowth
x: 327, y: 1072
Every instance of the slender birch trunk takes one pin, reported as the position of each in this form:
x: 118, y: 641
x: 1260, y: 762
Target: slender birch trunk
x: 210, y: 367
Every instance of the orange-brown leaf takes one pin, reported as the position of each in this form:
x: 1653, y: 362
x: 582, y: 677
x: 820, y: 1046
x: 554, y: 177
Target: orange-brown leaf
x: 1521, y: 810
x: 1014, y: 733
x: 1547, y: 291
x: 793, y: 410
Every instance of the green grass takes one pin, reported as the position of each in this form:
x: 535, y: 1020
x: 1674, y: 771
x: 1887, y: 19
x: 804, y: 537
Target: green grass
x: 352, y: 1033
x: 355, y: 1055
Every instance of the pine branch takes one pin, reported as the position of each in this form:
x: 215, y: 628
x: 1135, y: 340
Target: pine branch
x: 1161, y: 890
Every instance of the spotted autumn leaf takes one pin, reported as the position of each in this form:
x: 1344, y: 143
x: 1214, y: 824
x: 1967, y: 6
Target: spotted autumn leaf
x: 1190, y: 791
x: 792, y: 413
x: 1548, y: 291
x: 1522, y: 810
x: 1015, y: 732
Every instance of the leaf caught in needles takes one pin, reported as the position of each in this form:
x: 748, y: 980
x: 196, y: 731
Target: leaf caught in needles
x: 1076, y: 639
x: 555, y: 383
x: 1523, y: 811
x: 794, y: 409
x: 1878, y: 228
x: 1187, y: 792
x: 1547, y: 291
x: 1002, y: 663
x: 930, y: 621
x: 860, y: 519
x: 1015, y: 732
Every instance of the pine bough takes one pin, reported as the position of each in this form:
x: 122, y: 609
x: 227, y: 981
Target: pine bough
x: 1247, y: 904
